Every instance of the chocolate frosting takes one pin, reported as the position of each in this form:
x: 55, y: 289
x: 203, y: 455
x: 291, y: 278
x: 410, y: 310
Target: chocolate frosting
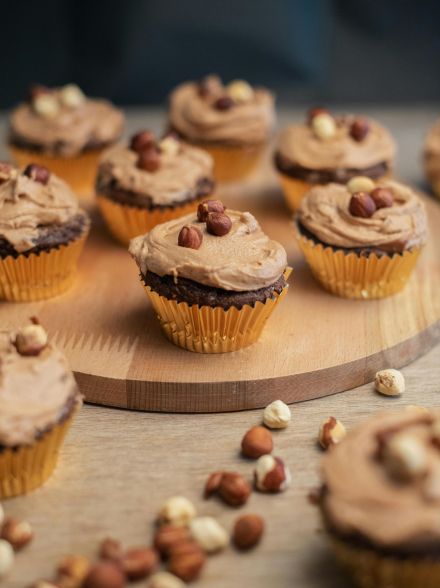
x: 244, y: 259
x: 324, y: 211
x: 196, y: 118
x: 299, y: 144
x: 175, y: 181
x: 362, y: 499
x: 432, y: 152
x: 35, y: 392
x: 27, y: 205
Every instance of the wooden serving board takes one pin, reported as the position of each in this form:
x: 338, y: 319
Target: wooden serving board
x: 314, y: 344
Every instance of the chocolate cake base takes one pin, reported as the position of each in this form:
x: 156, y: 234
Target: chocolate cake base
x: 184, y: 290
x: 57, y: 149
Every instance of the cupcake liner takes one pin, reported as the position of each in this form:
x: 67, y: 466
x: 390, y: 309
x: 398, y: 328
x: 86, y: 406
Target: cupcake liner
x: 125, y: 222
x: 40, y: 275
x: 369, y: 569
x: 352, y: 276
x: 233, y: 163
x: 206, y: 329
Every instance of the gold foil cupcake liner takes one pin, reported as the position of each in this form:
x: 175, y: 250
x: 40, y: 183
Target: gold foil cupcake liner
x: 206, y: 329
x: 233, y: 163
x: 40, y: 275
x: 125, y: 222
x: 353, y: 276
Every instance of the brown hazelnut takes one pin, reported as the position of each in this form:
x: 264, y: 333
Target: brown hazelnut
x: 257, y: 442
x: 233, y: 488
x: 218, y: 224
x: 359, y: 129
x: 190, y: 237
x: 248, y: 530
x: 38, y: 173
x: 331, y: 432
x: 213, y: 484
x: 362, y: 205
x: 168, y: 536
x: 187, y: 560
x: 17, y: 533
x: 73, y: 569
x: 142, y: 140
x: 271, y: 475
x: 208, y: 206
x: 224, y: 103
x: 110, y: 549
x: 149, y: 159
x: 104, y: 574
x: 383, y: 197
x: 139, y: 563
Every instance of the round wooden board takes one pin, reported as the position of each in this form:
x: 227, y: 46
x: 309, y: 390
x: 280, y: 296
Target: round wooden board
x: 315, y: 344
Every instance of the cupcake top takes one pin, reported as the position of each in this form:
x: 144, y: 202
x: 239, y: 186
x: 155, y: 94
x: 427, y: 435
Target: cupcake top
x: 151, y: 173
x: 386, y: 215
x: 220, y: 249
x: 209, y: 111
x: 330, y: 142
x: 382, y: 482
x: 62, y: 121
x: 37, y: 388
x: 30, y: 200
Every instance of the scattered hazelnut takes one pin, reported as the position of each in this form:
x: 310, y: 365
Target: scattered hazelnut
x: 110, y: 549
x: 359, y: 129
x: 240, y: 91
x: 168, y: 536
x: 7, y: 171
x: 314, y: 112
x: 277, y: 415
x: 170, y: 146
x: 224, y: 103
x: 234, y: 489
x: 213, y: 484
x: 362, y: 205
x: 31, y: 340
x: 209, y: 534
x: 142, y: 140
x: 104, y: 574
x: 248, y: 530
x: 72, y: 96
x: 323, y: 126
x: 218, y: 224
x: 331, y: 432
x: 149, y: 160
x: 405, y: 456
x: 208, y: 206
x: 190, y: 237
x: 177, y: 510
x: 17, y: 533
x: 165, y: 580
x: 46, y: 105
x: 74, y: 569
x: 389, y: 382
x: 139, y: 563
x: 38, y: 173
x: 383, y: 197
x: 187, y: 561
x: 360, y: 184
x: 271, y: 475
x: 257, y: 442
x: 6, y: 557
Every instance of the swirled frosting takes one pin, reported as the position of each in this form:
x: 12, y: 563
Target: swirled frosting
x: 175, y: 181
x: 432, y: 152
x: 362, y: 499
x: 299, y: 145
x: 244, y: 259
x: 27, y: 205
x: 195, y: 117
x: 324, y: 211
x: 35, y: 392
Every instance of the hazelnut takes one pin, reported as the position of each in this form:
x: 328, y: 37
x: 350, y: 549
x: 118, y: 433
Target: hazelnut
x: 139, y: 563
x: 240, y: 91
x: 110, y: 549
x: 165, y: 580
x: 38, y: 173
x: 104, y: 574
x: 6, y: 557
x: 72, y: 96
x: 314, y: 112
x: 248, y: 530
x: 257, y: 442
x: 362, y: 205
x: 17, y: 533
x: 168, y: 536
x: 271, y: 475
x: 46, y: 105
x: 359, y: 129
x: 142, y: 140
x: 224, y: 103
x: 383, y: 197
x: 213, y: 483
x: 187, y: 561
x: 190, y: 237
x: 209, y: 534
x: 324, y: 126
x: 149, y: 160
x: 234, y: 489
x: 73, y: 568
x: 277, y: 415
x: 170, y: 146
x: 360, y: 184
x: 177, y: 510
x: 31, y: 340
x: 208, y: 206
x: 331, y: 432
x: 7, y: 172
x: 218, y: 224
x: 405, y: 456
x: 389, y: 382
x: 36, y: 90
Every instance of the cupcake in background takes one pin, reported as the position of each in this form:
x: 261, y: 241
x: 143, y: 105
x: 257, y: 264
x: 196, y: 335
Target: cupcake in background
x: 64, y: 130
x: 328, y: 148
x: 362, y: 239
x: 213, y: 277
x: 42, y: 233
x: 38, y: 400
x: 149, y: 182
x: 232, y: 122
x: 431, y: 158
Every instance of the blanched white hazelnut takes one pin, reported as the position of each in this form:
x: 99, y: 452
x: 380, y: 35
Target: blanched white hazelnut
x: 170, y: 146
x: 209, y: 534
x: 271, y: 475
x: 165, y: 580
x: 72, y: 96
x: 389, y: 382
x: 240, y: 91
x: 46, y: 105
x: 405, y: 456
x: 31, y: 340
x: 360, y: 184
x: 331, y: 432
x: 277, y: 415
x: 6, y: 557
x: 177, y: 510
x: 324, y: 126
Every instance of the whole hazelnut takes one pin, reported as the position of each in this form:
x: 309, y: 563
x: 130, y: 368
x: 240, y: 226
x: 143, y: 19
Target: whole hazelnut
x: 257, y: 442
x: 362, y: 205
x: 234, y: 489
x: 168, y: 536
x: 186, y: 561
x: 277, y: 415
x: 46, y: 105
x: 240, y: 91
x: 110, y: 549
x: 359, y: 129
x: 73, y: 569
x: 383, y: 197
x: 213, y: 483
x: 248, y: 530
x: 170, y: 146
x: 149, y: 160
x: 360, y: 184
x: 405, y: 456
x: 208, y: 206
x: 389, y: 382
x: 271, y: 475
x: 142, y: 140
x: 17, y: 533
x: 31, y: 340
x: 331, y: 432
x: 6, y: 557
x: 190, y: 237
x: 218, y: 224
x: 323, y: 126
x: 104, y: 574
x: 224, y: 103
x: 38, y: 173
x: 314, y: 112
x: 209, y: 534
x: 7, y: 171
x: 177, y: 510
x: 165, y: 580
x: 139, y: 563
x: 72, y: 96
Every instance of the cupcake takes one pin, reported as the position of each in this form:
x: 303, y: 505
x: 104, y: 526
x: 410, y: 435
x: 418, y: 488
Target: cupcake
x: 42, y: 232
x: 213, y: 277
x: 233, y: 123
x: 62, y: 129
x: 362, y: 240
x: 329, y: 149
x: 432, y: 158
x: 380, y: 500
x: 148, y: 182
x: 38, y: 399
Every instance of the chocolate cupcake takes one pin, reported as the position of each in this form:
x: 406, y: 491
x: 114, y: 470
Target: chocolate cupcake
x: 64, y: 130
x: 328, y: 149
x: 149, y: 182
x: 363, y: 239
x: 233, y: 122
x: 432, y: 158
x: 213, y: 278
x: 38, y: 399
x: 380, y: 500
x: 42, y: 233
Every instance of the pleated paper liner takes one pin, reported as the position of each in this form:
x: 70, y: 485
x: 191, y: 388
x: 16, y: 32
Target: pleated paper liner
x: 40, y: 275
x: 206, y: 329
x: 125, y: 222
x: 352, y: 276
x: 369, y: 569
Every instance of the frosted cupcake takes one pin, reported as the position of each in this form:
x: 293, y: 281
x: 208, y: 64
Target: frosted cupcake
x: 38, y: 399
x: 149, y: 182
x: 64, y: 130
x: 213, y: 277
x: 233, y: 123
x: 432, y: 158
x: 363, y: 239
x: 328, y: 149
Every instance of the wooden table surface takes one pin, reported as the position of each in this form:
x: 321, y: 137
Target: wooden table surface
x: 117, y: 467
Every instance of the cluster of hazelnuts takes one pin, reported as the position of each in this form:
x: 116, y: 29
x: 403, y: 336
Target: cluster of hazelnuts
x: 35, y: 172
x: 366, y: 198
x: 324, y: 125
x: 211, y: 212
x: 224, y: 98
x: 149, y: 150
